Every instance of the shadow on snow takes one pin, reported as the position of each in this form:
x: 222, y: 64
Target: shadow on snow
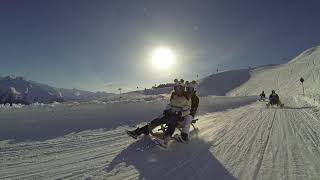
x: 179, y: 161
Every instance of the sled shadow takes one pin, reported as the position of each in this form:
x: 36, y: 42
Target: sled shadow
x: 305, y: 107
x: 179, y: 161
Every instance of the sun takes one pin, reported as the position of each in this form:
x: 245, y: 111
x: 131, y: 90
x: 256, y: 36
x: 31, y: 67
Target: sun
x: 162, y: 58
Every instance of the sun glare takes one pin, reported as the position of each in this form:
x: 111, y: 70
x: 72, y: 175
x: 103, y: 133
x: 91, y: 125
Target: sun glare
x: 163, y: 58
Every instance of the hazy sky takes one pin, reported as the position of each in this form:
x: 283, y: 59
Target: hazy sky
x: 106, y: 44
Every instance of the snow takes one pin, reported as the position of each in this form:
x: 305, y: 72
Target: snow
x: 239, y: 138
x: 221, y: 83
x: 87, y: 139
x: 284, y: 79
x: 32, y: 91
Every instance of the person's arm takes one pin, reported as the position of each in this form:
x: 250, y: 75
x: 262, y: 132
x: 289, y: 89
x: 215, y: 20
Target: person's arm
x: 172, y: 95
x: 194, y: 106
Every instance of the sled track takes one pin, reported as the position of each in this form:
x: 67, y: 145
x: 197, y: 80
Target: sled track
x: 264, y: 147
x: 249, y: 142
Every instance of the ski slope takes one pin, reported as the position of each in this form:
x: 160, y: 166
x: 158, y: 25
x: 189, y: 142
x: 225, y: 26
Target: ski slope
x: 237, y: 142
x: 284, y: 79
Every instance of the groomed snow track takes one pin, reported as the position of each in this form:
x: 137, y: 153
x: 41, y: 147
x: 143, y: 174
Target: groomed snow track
x: 250, y: 142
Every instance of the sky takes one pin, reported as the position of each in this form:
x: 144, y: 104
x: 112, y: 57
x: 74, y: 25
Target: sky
x: 101, y: 45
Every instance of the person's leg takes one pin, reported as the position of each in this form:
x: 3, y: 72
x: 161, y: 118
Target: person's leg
x: 153, y: 124
x: 186, y: 128
x: 172, y: 124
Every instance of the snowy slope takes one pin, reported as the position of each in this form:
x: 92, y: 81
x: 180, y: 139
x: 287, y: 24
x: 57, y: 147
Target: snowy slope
x: 285, y: 78
x: 221, y: 83
x: 236, y: 141
x: 88, y: 141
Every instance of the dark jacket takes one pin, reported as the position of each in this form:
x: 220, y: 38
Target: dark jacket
x: 194, y: 104
x: 274, y: 98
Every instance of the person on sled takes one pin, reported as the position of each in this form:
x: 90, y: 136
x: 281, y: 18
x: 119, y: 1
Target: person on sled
x: 274, y: 99
x: 192, y: 93
x: 178, y: 108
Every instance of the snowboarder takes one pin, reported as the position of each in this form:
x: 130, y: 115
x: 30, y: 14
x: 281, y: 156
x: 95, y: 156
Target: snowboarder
x: 191, y: 92
x: 179, y: 107
x: 262, y: 96
x: 274, y: 99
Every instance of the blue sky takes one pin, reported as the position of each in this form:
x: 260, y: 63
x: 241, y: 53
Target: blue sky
x: 104, y: 44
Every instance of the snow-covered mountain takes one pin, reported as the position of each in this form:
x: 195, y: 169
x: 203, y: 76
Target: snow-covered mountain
x: 31, y: 91
x: 284, y: 78
x: 76, y: 94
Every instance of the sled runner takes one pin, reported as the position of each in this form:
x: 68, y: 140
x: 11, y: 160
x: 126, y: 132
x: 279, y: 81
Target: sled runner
x: 278, y: 105
x: 157, y: 134
x: 164, y: 127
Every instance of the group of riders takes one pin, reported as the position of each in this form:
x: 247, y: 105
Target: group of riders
x: 181, y: 110
x: 273, y: 98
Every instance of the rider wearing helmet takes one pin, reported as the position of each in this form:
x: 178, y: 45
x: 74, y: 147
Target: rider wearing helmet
x: 179, y: 107
x: 274, y: 98
x: 191, y: 92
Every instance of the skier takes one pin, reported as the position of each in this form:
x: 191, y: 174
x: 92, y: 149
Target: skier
x: 262, y: 96
x: 179, y: 107
x: 274, y: 99
x: 191, y: 92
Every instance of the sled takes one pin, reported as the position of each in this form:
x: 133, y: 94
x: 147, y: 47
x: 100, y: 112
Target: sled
x: 158, y: 133
x: 262, y: 99
x: 271, y: 105
x: 163, y: 128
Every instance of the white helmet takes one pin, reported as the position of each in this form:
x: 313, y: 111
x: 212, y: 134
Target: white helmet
x: 193, y: 84
x: 179, y: 83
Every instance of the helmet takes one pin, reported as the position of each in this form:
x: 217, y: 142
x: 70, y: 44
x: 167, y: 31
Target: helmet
x: 191, y: 85
x: 179, y: 84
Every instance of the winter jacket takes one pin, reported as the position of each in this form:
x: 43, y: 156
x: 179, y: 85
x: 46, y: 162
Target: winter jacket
x: 194, y: 104
x: 274, y: 98
x: 180, y: 104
